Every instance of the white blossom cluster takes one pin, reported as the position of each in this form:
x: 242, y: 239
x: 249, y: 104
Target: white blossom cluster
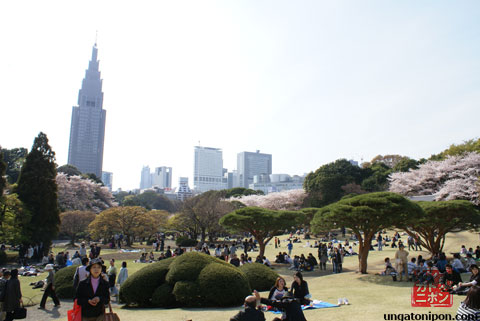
x: 285, y: 200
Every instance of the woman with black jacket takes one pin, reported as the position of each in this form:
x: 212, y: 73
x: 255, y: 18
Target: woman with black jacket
x: 300, y: 289
x: 93, y: 293
x: 13, y: 295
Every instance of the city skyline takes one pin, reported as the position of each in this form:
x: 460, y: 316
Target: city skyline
x: 307, y: 82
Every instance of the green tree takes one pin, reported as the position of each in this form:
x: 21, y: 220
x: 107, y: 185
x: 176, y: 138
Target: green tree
x: 70, y: 170
x: 405, y: 164
x: 3, y: 181
x: 365, y: 215
x: 240, y: 191
x: 13, y: 216
x: 93, y: 177
x: 150, y: 200
x: 376, y: 177
x: 14, y: 158
x: 263, y: 224
x: 324, y: 186
x: 441, y: 218
x: 37, y: 189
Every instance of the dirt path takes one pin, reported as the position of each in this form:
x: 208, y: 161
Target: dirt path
x: 51, y: 313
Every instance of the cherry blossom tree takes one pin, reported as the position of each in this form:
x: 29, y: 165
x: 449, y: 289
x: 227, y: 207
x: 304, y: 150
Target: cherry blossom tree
x: 76, y: 193
x: 285, y: 200
x: 456, y: 177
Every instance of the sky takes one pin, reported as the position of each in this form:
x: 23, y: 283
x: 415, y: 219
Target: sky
x: 306, y: 81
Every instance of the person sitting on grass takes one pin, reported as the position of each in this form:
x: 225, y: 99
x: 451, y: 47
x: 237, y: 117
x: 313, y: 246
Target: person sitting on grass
x: 300, y: 289
x: 235, y: 260
x: 388, y: 267
x: 278, y: 290
x: 280, y: 258
x: 266, y: 261
x: 457, y: 265
x: 259, y: 259
x: 450, y: 278
x: 474, y: 280
x: 428, y: 277
x: 251, y: 313
x: 469, y: 261
x: 290, y: 305
x: 312, y: 260
x: 470, y: 308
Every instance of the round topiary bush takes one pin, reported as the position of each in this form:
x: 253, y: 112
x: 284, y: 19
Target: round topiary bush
x: 138, y: 288
x: 163, y: 297
x: 260, y: 277
x: 223, y: 285
x: 187, y: 266
x: 188, y: 293
x: 63, y: 282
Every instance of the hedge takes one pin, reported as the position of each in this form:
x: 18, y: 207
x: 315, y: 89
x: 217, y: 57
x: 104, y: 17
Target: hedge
x: 138, y: 289
x: 223, y: 285
x: 260, y: 277
x: 162, y: 296
x: 187, y: 266
x: 63, y: 282
x: 188, y: 293
x: 185, y: 241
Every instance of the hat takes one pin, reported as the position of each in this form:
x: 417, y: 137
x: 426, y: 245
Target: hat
x: 48, y: 267
x: 93, y: 262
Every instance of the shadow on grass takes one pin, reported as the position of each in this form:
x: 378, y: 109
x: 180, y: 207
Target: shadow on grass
x: 384, y: 280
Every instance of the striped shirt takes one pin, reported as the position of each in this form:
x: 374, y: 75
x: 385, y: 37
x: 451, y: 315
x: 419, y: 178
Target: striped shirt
x: 467, y: 313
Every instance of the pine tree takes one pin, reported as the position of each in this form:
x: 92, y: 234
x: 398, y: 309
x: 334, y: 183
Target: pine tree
x: 37, y: 189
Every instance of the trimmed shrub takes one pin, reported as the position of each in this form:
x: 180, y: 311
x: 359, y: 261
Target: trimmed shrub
x: 138, y: 288
x: 185, y: 241
x: 163, y: 297
x: 188, y: 293
x: 223, y: 285
x: 187, y: 266
x: 260, y: 277
x: 63, y: 282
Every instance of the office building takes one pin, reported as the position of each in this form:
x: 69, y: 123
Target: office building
x: 208, y: 169
x: 184, y: 190
x: 146, y: 178
x: 107, y: 179
x: 87, y: 130
x: 162, y: 177
x: 250, y: 164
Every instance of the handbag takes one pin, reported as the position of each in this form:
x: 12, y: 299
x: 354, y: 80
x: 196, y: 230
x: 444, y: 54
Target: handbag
x: 20, y: 313
x: 110, y: 316
x: 76, y: 313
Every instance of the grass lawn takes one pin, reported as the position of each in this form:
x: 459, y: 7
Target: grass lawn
x: 370, y: 296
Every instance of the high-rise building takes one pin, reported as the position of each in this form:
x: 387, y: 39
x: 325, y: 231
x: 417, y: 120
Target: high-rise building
x: 250, y: 164
x: 184, y: 190
x: 162, y: 177
x: 208, y: 169
x: 87, y: 130
x: 107, y: 179
x: 146, y: 178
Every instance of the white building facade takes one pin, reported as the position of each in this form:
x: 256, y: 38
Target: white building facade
x: 208, y: 173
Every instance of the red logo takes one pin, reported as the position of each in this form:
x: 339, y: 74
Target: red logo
x: 430, y: 296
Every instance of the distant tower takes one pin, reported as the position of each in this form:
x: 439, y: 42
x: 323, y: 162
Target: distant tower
x: 87, y: 131
x: 252, y: 164
x: 208, y: 169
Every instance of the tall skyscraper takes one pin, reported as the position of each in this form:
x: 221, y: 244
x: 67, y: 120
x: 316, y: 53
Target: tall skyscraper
x: 250, y: 164
x: 162, y: 177
x: 107, y: 179
x: 208, y: 169
x: 146, y: 179
x: 87, y: 131
x: 184, y: 191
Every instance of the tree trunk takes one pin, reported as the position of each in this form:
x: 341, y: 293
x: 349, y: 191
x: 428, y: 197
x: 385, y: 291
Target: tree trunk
x: 203, y: 235
x: 362, y: 259
x: 261, y: 245
x: 72, y: 240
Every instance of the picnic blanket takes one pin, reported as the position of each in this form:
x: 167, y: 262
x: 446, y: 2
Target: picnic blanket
x: 316, y: 305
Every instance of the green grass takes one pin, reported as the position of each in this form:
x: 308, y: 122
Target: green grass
x: 370, y: 295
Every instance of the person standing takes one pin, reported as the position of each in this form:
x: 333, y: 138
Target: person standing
x: 112, y: 276
x: 80, y: 273
x: 49, y: 289
x: 92, y: 293
x: 290, y: 247
x: 380, y: 241
x: 13, y: 295
x: 401, y: 261
x: 123, y: 274
x: 82, y: 251
x: 5, y: 275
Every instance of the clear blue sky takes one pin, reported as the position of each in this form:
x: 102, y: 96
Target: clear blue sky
x: 307, y: 81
